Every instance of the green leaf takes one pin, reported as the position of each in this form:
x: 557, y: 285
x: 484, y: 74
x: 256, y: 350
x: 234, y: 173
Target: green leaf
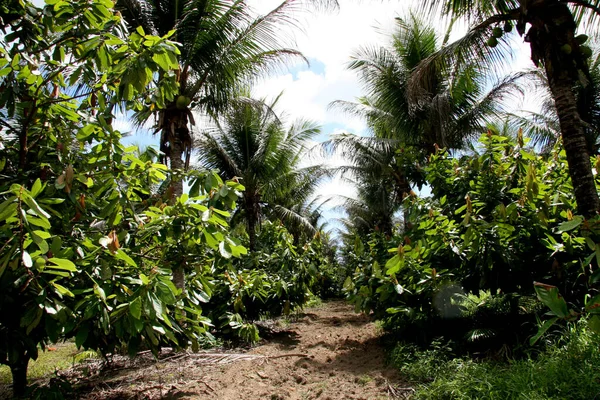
x: 547, y: 324
x: 62, y: 290
x: 549, y: 295
x: 590, y: 244
x: 121, y: 255
x: 594, y: 324
x: 62, y: 264
x: 166, y: 292
x: 376, y: 269
x: 35, y: 207
x: 348, y: 284
x: 43, y: 234
x: 40, y: 222
x: 35, y: 322
x: 570, y: 225
x: 144, y: 279
x: 8, y: 212
x: 157, y: 305
x: 394, y: 264
x: 210, y: 239
x: 221, y: 212
x: 162, y: 60
x: 36, y: 188
x: 81, y: 336
x: 239, y: 250
x: 135, y: 308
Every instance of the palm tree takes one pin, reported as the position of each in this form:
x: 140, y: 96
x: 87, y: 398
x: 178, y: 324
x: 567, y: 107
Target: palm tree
x: 373, y: 209
x: 550, y: 27
x: 453, y: 107
x: 381, y: 171
x: 223, y: 44
x: 250, y: 142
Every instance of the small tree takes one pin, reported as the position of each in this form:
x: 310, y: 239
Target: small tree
x: 85, y: 246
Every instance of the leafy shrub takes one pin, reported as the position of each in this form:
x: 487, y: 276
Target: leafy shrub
x: 496, y: 221
x: 275, y: 279
x: 88, y: 243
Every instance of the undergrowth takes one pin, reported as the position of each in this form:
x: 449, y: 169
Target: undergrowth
x: 56, y: 357
x: 566, y: 368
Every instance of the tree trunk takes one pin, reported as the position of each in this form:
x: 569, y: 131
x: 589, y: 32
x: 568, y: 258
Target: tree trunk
x: 19, y: 376
x: 176, y: 157
x: 574, y: 141
x: 403, y: 189
x: 552, y: 27
x: 252, y: 219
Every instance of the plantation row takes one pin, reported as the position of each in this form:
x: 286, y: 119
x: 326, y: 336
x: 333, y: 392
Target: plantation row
x: 99, y: 243
x: 123, y: 249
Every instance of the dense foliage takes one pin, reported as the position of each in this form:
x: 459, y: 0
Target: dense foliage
x: 100, y: 244
x: 90, y: 231
x: 568, y: 369
x: 495, y: 223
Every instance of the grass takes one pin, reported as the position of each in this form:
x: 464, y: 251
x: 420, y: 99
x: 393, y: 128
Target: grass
x: 363, y: 380
x: 314, y: 302
x: 64, y: 355
x: 568, y: 368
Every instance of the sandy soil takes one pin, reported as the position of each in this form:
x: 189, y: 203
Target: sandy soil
x: 328, y: 352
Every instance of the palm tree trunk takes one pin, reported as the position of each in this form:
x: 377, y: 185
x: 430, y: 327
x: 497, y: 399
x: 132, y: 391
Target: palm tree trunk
x: 176, y: 156
x: 552, y: 27
x: 403, y: 189
x: 252, y: 219
x: 574, y: 141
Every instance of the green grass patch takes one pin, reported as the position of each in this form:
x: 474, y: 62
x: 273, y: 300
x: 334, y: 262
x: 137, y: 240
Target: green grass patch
x: 64, y: 356
x: 567, y: 369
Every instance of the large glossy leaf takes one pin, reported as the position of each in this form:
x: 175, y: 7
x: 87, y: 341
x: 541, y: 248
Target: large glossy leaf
x: 135, y: 308
x: 62, y: 264
x: 550, y: 296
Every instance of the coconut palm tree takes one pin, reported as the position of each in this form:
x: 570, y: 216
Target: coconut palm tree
x: 454, y: 106
x: 550, y: 27
x: 383, y: 173
x: 223, y: 44
x: 251, y: 143
x: 373, y: 209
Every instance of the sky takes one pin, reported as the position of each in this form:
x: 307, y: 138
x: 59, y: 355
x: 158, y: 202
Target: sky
x: 327, y: 39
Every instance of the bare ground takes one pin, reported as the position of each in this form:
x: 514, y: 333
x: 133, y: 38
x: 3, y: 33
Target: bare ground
x: 329, y: 352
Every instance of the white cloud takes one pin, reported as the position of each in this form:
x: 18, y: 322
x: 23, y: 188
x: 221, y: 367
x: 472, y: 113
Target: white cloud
x: 329, y: 38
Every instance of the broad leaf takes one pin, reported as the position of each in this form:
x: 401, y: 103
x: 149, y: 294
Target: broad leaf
x: 549, y: 295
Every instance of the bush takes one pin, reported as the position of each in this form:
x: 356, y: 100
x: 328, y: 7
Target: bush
x: 277, y: 278
x: 495, y: 222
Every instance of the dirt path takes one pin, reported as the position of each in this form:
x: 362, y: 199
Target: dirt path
x: 328, y: 353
